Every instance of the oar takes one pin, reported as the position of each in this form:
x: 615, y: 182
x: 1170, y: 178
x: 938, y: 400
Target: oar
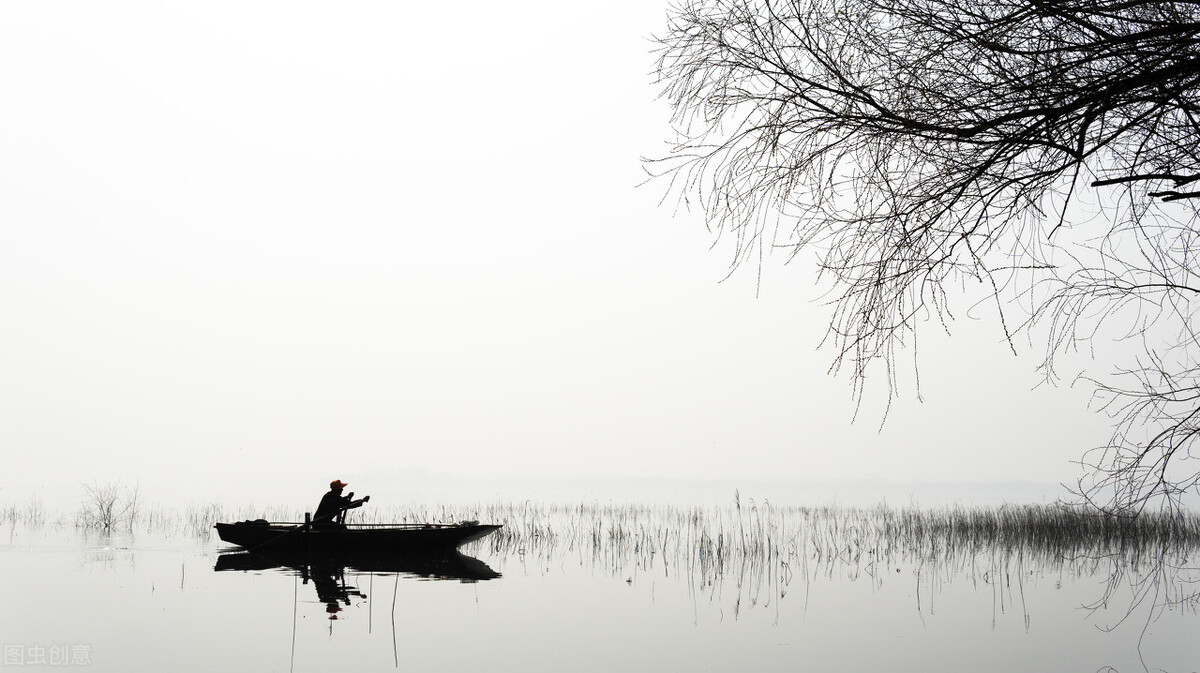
x: 307, y: 524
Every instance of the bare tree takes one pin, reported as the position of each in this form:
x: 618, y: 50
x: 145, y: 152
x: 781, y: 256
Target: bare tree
x: 105, y: 505
x: 1041, y: 150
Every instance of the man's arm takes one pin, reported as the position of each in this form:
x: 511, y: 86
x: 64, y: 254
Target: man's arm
x: 349, y: 503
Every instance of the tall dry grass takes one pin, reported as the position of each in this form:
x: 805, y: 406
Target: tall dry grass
x: 759, y: 549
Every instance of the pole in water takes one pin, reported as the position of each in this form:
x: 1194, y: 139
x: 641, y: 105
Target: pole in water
x: 295, y: 602
x: 395, y: 650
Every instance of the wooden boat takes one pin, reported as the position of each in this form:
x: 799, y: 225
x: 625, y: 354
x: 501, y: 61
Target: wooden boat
x: 262, y: 536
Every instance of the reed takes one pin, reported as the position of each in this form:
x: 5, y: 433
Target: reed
x: 757, y: 547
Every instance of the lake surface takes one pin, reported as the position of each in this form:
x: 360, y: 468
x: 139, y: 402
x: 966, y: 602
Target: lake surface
x: 616, y: 588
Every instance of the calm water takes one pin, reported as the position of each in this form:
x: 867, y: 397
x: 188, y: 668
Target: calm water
x: 609, y: 589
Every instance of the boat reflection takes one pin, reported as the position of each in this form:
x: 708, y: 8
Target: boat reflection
x: 446, y: 565
x: 327, y: 572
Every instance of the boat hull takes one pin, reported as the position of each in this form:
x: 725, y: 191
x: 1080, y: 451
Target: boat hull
x: 297, y: 537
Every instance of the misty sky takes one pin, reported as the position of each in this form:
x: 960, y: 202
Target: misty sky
x: 251, y: 247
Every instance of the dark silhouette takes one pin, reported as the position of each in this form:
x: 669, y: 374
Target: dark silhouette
x: 332, y: 509
x: 444, y: 564
x: 329, y: 579
x: 332, y: 536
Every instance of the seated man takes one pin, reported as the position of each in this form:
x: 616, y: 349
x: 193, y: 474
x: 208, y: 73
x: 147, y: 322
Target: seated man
x: 332, y: 509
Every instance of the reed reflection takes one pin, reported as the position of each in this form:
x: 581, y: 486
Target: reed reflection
x: 757, y: 554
